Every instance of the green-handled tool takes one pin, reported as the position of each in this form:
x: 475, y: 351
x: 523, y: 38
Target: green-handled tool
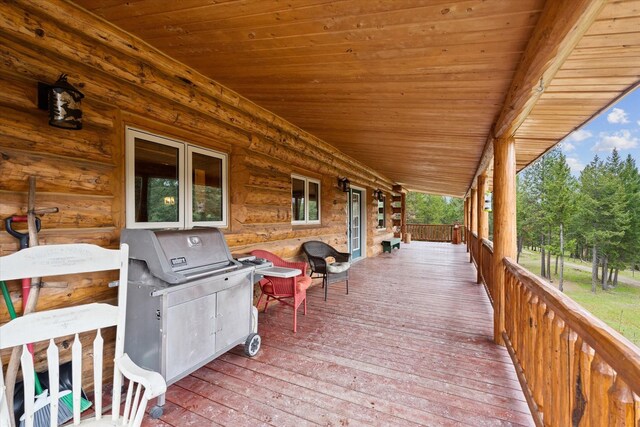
x: 42, y: 405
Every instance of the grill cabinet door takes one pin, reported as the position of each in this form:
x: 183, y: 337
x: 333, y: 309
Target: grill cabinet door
x: 191, y: 335
x: 234, y: 314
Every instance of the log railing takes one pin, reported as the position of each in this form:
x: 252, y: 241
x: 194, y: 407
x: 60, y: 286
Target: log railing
x: 573, y: 368
x: 486, y: 267
x: 473, y: 247
x: 434, y: 232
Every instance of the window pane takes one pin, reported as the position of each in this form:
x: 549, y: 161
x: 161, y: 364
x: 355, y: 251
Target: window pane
x: 297, y: 199
x: 156, y: 182
x: 206, y: 191
x: 314, y: 198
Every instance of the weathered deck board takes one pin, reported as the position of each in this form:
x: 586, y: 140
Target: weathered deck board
x: 410, y: 345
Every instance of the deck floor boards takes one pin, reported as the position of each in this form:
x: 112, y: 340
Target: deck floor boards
x: 410, y: 345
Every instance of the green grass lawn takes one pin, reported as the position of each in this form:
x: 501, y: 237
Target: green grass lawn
x: 623, y: 273
x: 619, y: 307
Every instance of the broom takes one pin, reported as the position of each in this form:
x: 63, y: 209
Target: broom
x: 41, y: 407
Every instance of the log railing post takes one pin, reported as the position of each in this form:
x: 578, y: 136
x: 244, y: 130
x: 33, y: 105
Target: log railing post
x: 504, y: 220
x: 483, y: 226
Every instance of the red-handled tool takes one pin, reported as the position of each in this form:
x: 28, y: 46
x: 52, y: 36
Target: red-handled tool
x: 23, y: 238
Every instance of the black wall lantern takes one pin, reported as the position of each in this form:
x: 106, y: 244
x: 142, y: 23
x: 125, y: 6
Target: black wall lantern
x: 345, y: 184
x: 63, y: 102
x: 378, y: 195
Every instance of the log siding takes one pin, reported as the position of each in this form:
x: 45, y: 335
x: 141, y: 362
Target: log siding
x: 128, y: 83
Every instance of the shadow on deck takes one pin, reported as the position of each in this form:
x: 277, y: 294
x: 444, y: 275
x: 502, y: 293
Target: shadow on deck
x: 410, y: 345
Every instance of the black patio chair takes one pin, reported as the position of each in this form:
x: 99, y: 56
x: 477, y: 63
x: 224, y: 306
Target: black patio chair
x: 317, y: 253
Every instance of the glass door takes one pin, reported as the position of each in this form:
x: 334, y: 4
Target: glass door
x: 355, y: 228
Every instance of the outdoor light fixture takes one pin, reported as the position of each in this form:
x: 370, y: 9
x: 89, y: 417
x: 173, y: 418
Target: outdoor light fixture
x: 345, y: 184
x: 63, y: 102
x: 378, y: 195
x: 488, y: 201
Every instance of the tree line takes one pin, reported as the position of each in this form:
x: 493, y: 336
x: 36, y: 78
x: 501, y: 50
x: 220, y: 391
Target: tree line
x: 429, y: 209
x: 593, y: 217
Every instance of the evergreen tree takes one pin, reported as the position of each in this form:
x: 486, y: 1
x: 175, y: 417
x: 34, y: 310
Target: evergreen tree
x: 523, y: 217
x: 533, y: 179
x: 558, y: 203
x: 601, y: 215
x: 630, y: 245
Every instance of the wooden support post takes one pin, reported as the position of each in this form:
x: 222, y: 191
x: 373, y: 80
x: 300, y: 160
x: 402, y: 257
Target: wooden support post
x: 403, y: 228
x: 473, y: 221
x: 474, y: 211
x: 504, y: 224
x: 466, y: 221
x: 483, y: 227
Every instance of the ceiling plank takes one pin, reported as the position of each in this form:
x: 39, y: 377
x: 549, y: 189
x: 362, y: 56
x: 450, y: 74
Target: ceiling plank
x: 560, y: 28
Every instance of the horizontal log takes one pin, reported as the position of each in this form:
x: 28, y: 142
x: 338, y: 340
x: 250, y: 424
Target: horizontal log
x: 262, y: 196
x: 30, y: 132
x: 107, y: 237
x: 75, y: 210
x: 55, y: 174
x: 63, y: 289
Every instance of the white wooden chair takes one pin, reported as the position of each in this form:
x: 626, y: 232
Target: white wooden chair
x: 54, y: 260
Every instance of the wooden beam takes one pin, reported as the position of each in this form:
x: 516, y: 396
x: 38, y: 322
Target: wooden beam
x: 559, y: 29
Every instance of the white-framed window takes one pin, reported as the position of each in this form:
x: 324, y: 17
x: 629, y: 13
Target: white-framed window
x: 305, y: 200
x: 382, y: 213
x: 173, y: 184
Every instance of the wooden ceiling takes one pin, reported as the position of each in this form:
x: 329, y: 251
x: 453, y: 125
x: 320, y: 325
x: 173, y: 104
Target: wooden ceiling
x: 410, y: 88
x: 604, y: 66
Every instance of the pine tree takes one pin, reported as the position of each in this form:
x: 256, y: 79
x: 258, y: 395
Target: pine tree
x: 601, y: 215
x: 533, y: 200
x: 630, y: 245
x: 620, y: 219
x: 558, y: 202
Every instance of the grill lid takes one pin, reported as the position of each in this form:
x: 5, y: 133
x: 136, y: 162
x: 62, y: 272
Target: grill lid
x: 177, y: 256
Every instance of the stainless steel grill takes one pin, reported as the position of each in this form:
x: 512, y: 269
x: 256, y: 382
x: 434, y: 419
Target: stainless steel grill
x: 188, y: 301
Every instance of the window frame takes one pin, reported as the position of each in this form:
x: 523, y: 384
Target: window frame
x: 189, y: 196
x: 306, y: 220
x: 185, y: 208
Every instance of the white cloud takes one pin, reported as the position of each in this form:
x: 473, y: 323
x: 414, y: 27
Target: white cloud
x: 575, y: 165
x: 567, y: 147
x: 579, y: 135
x: 618, y: 115
x: 638, y: 122
x: 622, y: 140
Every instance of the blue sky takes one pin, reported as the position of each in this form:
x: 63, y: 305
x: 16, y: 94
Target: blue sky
x: 616, y: 127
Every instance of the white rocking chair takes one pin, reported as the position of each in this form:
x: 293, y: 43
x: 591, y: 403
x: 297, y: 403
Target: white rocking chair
x: 54, y: 260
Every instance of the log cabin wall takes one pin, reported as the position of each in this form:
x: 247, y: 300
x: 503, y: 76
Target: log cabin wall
x: 128, y: 83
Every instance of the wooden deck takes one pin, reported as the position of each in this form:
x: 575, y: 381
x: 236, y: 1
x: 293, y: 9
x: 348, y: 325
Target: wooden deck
x: 410, y: 345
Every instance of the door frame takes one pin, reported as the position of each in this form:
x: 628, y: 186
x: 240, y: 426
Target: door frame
x: 363, y: 221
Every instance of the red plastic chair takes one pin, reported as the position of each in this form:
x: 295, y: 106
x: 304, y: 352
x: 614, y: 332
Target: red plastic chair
x: 282, y: 290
